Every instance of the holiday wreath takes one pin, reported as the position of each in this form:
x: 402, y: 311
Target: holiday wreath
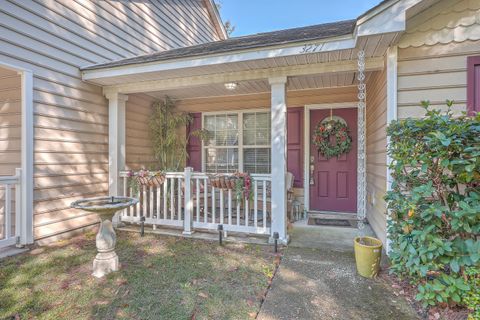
x: 321, y: 138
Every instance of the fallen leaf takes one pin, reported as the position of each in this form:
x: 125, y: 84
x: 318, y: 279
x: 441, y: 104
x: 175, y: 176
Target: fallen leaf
x: 203, y: 295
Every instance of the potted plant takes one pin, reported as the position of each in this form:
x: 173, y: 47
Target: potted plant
x: 368, y: 252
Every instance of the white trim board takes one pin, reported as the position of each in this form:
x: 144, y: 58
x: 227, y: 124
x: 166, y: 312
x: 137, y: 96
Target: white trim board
x: 306, y: 142
x: 27, y: 162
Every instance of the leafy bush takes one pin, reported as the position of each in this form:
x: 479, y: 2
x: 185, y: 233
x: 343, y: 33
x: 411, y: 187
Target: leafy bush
x: 435, y: 205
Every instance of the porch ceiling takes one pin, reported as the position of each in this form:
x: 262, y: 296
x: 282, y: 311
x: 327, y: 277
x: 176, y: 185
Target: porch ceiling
x: 261, y: 86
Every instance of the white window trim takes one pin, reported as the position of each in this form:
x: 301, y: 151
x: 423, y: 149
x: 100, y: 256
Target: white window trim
x: 240, y: 146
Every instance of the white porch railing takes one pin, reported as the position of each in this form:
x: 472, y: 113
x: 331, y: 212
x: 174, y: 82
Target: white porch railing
x: 187, y: 199
x: 10, y: 208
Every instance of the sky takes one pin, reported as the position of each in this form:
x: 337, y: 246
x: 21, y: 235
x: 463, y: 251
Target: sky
x: 254, y: 16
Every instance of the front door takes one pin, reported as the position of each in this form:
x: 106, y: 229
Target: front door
x: 333, y: 182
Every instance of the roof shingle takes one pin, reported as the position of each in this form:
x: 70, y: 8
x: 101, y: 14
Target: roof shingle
x: 259, y: 40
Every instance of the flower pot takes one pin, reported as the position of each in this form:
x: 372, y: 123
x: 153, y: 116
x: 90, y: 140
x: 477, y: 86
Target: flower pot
x: 368, y: 252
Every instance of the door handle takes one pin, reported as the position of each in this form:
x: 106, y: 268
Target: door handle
x: 312, y: 180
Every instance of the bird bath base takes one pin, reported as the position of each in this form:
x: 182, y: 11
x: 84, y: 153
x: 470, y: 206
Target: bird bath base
x: 106, y: 260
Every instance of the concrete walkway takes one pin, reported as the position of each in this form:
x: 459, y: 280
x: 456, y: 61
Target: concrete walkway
x: 317, y: 279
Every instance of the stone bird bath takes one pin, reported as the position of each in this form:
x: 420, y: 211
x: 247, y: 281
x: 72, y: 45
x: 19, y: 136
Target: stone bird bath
x: 106, y: 260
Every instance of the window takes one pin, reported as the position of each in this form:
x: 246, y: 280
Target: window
x: 237, y: 142
x: 473, y: 84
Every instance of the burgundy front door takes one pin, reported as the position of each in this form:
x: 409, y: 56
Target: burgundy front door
x: 333, y: 182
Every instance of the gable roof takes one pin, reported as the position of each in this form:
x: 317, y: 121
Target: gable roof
x: 259, y: 40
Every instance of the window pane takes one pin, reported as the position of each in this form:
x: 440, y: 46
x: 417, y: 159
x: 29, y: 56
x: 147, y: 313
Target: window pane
x: 263, y: 120
x: 256, y: 160
x: 222, y: 160
x: 222, y: 130
x: 256, y: 128
x: 263, y: 137
x: 249, y: 120
x: 249, y: 137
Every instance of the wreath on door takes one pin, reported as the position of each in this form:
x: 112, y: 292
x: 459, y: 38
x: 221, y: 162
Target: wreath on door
x: 321, y: 138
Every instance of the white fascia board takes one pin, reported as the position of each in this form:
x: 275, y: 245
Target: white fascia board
x: 387, y: 19
x: 263, y: 53
x: 213, y: 12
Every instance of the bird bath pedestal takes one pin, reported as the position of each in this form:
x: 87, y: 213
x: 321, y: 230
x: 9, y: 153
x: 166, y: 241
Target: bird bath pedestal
x: 106, y: 260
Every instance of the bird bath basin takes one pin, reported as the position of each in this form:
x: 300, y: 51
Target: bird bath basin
x: 106, y: 260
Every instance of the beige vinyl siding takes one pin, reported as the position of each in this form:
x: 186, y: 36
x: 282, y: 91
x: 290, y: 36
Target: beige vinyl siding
x: 10, y: 121
x: 376, y: 142
x: 55, y: 38
x: 10, y: 135
x: 139, y: 150
x: 432, y: 56
x: 296, y: 98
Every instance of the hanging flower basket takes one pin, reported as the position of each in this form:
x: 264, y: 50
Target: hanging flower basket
x: 150, y: 178
x: 240, y: 182
x: 321, y: 138
x: 145, y: 178
x: 223, y: 182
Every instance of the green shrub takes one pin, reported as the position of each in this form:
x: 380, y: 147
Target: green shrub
x: 435, y: 205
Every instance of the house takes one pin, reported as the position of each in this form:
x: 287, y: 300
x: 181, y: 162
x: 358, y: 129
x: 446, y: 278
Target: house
x: 87, y: 80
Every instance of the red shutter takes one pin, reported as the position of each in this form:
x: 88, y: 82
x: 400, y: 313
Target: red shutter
x: 295, y: 144
x: 473, y: 85
x: 194, y: 145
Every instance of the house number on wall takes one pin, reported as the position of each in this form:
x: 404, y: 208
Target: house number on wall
x: 310, y: 48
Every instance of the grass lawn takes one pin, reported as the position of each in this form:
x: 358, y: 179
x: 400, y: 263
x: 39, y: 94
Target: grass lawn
x: 160, y: 278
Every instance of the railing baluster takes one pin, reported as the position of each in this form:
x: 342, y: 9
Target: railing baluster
x: 205, y: 201
x: 145, y: 201
x: 198, y: 198
x: 214, y: 205
x: 264, y: 198
x: 230, y: 206
x: 159, y: 200
x: 125, y: 212
x: 247, y: 209
x: 150, y: 188
x: 8, y: 211
x: 135, y: 208
x: 222, y: 205
x: 172, y: 198
x: 165, y: 195
x: 255, y: 204
x: 238, y: 211
x: 18, y: 201
x: 179, y: 199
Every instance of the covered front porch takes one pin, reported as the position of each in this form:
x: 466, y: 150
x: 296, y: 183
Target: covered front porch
x: 284, y: 84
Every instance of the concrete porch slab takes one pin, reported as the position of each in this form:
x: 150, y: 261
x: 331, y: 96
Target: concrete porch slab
x: 335, y: 238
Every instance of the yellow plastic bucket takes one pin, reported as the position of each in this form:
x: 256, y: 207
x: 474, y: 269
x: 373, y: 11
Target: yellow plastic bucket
x: 368, y: 252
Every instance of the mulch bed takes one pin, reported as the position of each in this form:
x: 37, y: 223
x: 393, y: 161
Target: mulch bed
x: 403, y: 288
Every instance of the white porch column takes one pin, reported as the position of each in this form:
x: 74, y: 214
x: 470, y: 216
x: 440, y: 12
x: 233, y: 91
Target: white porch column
x: 279, y: 158
x: 116, y: 141
x: 392, y: 113
x: 26, y: 214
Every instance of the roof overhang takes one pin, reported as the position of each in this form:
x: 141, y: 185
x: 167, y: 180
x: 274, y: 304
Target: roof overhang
x: 216, y: 19
x: 381, y: 26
